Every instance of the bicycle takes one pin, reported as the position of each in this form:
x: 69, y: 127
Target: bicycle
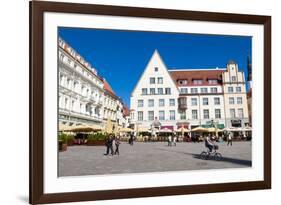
x: 207, y: 154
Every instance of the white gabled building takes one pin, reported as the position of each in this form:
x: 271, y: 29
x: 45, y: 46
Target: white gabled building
x: 155, y: 96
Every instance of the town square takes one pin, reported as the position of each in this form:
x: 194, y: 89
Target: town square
x: 150, y: 157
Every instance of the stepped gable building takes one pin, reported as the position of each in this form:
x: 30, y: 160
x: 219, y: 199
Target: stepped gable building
x: 189, y: 97
x: 235, y: 96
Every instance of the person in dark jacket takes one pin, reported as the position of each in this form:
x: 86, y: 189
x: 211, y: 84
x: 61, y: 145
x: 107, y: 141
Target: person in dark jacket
x: 109, y: 146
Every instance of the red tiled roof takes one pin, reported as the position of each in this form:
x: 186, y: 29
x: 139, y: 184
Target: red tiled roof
x: 190, y: 75
x: 108, y: 89
x: 126, y: 111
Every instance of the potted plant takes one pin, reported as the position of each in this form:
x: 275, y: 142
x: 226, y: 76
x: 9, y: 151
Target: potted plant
x: 70, y: 140
x: 96, y: 139
x: 62, y: 142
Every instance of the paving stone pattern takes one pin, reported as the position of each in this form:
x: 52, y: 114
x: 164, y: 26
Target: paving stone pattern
x: 150, y: 157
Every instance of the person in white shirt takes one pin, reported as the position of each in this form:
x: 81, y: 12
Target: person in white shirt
x: 170, y: 141
x: 175, y: 140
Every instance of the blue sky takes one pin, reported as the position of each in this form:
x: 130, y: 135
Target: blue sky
x: 121, y: 56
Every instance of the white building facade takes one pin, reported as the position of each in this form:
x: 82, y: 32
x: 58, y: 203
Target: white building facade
x: 84, y: 97
x: 187, y: 97
x: 80, y: 94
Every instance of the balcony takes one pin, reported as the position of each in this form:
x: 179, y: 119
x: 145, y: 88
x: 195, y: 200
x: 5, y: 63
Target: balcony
x: 182, y: 102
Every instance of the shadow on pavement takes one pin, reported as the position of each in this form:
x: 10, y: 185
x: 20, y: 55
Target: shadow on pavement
x: 223, y: 159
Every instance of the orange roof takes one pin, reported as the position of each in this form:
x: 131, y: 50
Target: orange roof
x: 108, y: 87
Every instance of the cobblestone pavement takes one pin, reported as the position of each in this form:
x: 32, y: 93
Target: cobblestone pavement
x: 150, y: 157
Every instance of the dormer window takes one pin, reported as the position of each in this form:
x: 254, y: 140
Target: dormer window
x: 197, y: 81
x: 213, y: 81
x: 182, y: 82
x: 233, y: 79
x: 156, y: 69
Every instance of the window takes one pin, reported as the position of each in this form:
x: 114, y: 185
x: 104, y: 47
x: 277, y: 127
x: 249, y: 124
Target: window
x: 206, y: 114
x: 140, y: 103
x: 194, y: 114
x: 183, y: 115
x: 239, y: 100
x: 172, y: 102
x: 144, y: 91
x: 161, y: 115
x: 193, y: 101
x: 152, y: 80
x: 152, y: 91
x: 204, y: 90
x: 214, y: 90
x: 213, y: 81
x: 231, y: 101
x: 160, y: 91
x: 233, y: 78
x: 140, y: 116
x: 232, y: 113
x: 182, y: 82
x: 160, y: 80
x: 197, y: 82
x: 61, y: 56
x: 183, y: 90
x: 156, y: 69
x: 68, y: 61
x: 161, y: 102
x: 60, y: 101
x: 217, y: 113
x: 61, y: 79
x: 150, y: 115
x: 238, y: 89
x: 68, y: 83
x: 150, y: 103
x: 205, y: 101
x: 230, y: 89
x: 168, y: 91
x: 240, y: 113
x: 217, y: 101
x: 172, y: 115
x: 194, y: 90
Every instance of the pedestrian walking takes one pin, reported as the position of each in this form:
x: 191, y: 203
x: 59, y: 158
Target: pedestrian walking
x: 229, y: 140
x: 117, y: 143
x: 113, y: 144
x: 169, y: 141
x: 131, y: 140
x: 175, y: 140
x: 109, y: 146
